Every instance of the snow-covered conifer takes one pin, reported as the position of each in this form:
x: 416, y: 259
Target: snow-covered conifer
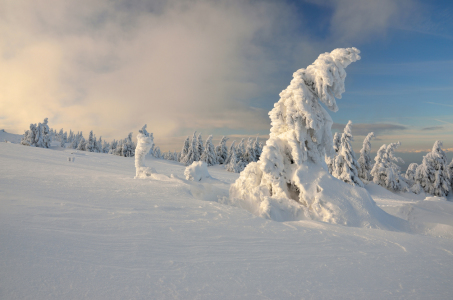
x: 432, y: 174
x: 250, y: 155
x: 410, y: 172
x: 82, y: 144
x: 450, y: 171
x: 385, y: 171
x: 128, y: 146
x: 105, y: 147
x: 192, y: 153
x: 71, y: 136
x: 300, y: 138
x: 119, y: 148
x: 258, y: 149
x: 112, y: 147
x: 200, y: 147
x: 230, y: 152
x: 234, y: 164
x: 185, y: 149
x: 222, y: 151
x: 98, y: 145
x: 346, y: 166
x: 365, y: 161
x: 157, y: 153
x: 209, y: 156
x: 90, y: 142
x: 330, y: 160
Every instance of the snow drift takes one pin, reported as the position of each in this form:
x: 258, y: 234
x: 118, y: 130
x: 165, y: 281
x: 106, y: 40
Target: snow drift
x: 290, y: 181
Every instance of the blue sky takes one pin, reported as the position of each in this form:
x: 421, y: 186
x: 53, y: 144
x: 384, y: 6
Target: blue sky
x: 218, y: 66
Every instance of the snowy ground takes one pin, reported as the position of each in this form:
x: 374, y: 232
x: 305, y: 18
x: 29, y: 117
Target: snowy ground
x: 88, y: 230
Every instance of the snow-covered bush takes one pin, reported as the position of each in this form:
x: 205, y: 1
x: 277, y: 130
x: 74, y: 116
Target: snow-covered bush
x: 197, y: 171
x: 433, y: 175
x: 209, y: 156
x: 290, y: 180
x: 365, y: 161
x: 345, y: 165
x: 386, y: 172
x: 144, y: 144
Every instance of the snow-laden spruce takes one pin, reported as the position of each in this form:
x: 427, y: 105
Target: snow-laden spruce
x: 192, y: 152
x: 144, y: 144
x: 37, y: 136
x: 330, y: 160
x: 386, y: 172
x: 222, y: 151
x: 365, y: 161
x: 209, y: 156
x: 345, y: 165
x: 290, y: 181
x: 433, y: 175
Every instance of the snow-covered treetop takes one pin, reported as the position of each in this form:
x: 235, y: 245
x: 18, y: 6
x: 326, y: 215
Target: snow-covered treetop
x: 143, y: 131
x: 299, y: 109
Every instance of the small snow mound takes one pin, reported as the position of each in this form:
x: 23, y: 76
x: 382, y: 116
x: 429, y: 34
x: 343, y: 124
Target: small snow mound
x: 197, y: 171
x: 435, y: 198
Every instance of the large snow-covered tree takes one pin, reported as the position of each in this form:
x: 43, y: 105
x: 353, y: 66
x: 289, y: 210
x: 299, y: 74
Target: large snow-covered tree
x: 345, y: 164
x: 291, y: 176
x: 200, y: 147
x: 385, y: 171
x: 209, y: 156
x: 433, y: 175
x: 365, y: 161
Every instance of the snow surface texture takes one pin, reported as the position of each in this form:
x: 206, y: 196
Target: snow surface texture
x: 88, y: 230
x: 197, y: 171
x: 290, y: 181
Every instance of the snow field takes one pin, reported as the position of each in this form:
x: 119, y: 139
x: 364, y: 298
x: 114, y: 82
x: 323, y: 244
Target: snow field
x: 88, y: 230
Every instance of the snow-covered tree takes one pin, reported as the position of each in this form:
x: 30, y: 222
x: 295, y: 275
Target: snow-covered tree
x: 432, y: 174
x: 222, y: 151
x: 258, y: 149
x: 71, y: 136
x: 185, y: 149
x: 38, y: 135
x: 156, y: 152
x: 365, y: 161
x: 230, y: 153
x: 128, y: 146
x: 113, y: 146
x: 90, y: 142
x: 235, y: 163
x: 200, y: 147
x: 450, y: 171
x: 192, y: 153
x: 292, y: 164
x: 105, y: 147
x: 250, y: 155
x: 330, y: 160
x: 118, y: 150
x: 209, y: 156
x: 144, y: 143
x: 98, y: 145
x: 346, y: 166
x: 410, y: 179
x: 82, y: 144
x: 385, y: 171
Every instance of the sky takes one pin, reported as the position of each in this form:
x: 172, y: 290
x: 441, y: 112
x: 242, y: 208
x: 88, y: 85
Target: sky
x: 218, y: 67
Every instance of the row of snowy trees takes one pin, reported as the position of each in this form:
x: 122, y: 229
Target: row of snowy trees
x: 235, y: 158
x: 433, y: 176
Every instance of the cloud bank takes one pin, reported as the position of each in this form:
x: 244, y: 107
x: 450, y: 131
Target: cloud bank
x: 179, y: 66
